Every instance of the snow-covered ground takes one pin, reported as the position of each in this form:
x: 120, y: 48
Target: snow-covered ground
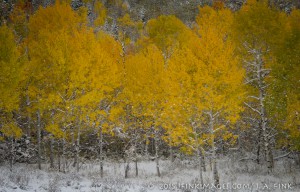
x: 177, y: 176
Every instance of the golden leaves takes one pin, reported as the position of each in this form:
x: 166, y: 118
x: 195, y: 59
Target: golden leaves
x: 11, y: 130
x: 10, y: 70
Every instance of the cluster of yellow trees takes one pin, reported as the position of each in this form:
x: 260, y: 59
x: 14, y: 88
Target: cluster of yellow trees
x: 189, y: 87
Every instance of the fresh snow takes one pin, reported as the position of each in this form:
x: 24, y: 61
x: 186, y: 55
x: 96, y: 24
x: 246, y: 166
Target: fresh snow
x: 176, y: 176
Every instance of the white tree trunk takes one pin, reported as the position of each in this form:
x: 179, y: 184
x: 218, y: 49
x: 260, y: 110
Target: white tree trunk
x: 263, y: 118
x: 77, y: 149
x: 101, y: 151
x: 216, y: 179
x: 156, y: 152
x: 39, y: 139
x: 12, y: 153
x: 258, y: 74
x: 51, y: 153
x: 63, y: 151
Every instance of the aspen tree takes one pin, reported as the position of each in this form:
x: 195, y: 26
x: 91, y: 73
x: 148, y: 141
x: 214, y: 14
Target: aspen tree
x: 219, y: 76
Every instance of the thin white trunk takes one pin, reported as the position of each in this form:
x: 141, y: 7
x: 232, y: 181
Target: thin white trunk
x: 59, y: 156
x: 39, y: 139
x: 200, y: 166
x: 51, y: 153
x: 156, y: 152
x: 258, y: 75
x: 77, y: 148
x: 63, y: 151
x: 199, y: 156
x: 51, y: 145
x: 101, y: 151
x: 12, y: 153
x: 203, y: 160
x: 216, y: 179
x: 146, y: 146
x: 136, y: 159
x: 262, y: 109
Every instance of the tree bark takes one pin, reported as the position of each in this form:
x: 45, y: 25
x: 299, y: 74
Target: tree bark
x: 63, y: 151
x: 200, y: 166
x: 258, y: 143
x: 39, y: 139
x: 203, y: 160
x: 101, y: 151
x: 156, y: 153
x: 12, y: 154
x: 147, y: 147
x: 51, y: 153
x: 127, y: 169
x: 136, y: 159
x: 214, y: 160
x: 171, y: 152
x: 263, y: 118
x: 59, y: 156
x: 76, y: 161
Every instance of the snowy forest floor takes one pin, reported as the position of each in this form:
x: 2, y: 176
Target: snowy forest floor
x: 176, y: 176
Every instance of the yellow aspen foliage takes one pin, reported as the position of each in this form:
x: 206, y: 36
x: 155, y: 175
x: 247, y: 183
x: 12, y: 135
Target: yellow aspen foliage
x: 10, y: 70
x: 55, y: 130
x: 205, y: 78
x: 286, y: 86
x: 257, y: 22
x: 19, y: 19
x: 51, y: 54
x: 100, y: 12
x: 144, y: 75
x: 11, y: 130
x: 220, y: 74
x: 126, y: 21
x: 169, y: 33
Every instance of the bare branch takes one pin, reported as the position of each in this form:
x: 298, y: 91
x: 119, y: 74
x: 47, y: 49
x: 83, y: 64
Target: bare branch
x: 282, y: 156
x: 255, y: 110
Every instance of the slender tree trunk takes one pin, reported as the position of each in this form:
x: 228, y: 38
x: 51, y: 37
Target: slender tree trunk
x: 198, y: 147
x: 171, y: 152
x: 156, y: 153
x: 63, y: 151
x: 258, y: 143
x: 147, y: 147
x: 12, y: 153
x: 298, y: 156
x: 136, y: 168
x: 28, y: 139
x: 200, y: 166
x: 263, y: 118
x: 214, y: 159
x: 136, y: 160
x: 28, y: 130
x: 203, y: 159
x: 39, y: 139
x: 76, y: 161
x: 51, y: 153
x: 59, y: 156
x: 270, y: 157
x: 101, y: 151
x: 127, y: 167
